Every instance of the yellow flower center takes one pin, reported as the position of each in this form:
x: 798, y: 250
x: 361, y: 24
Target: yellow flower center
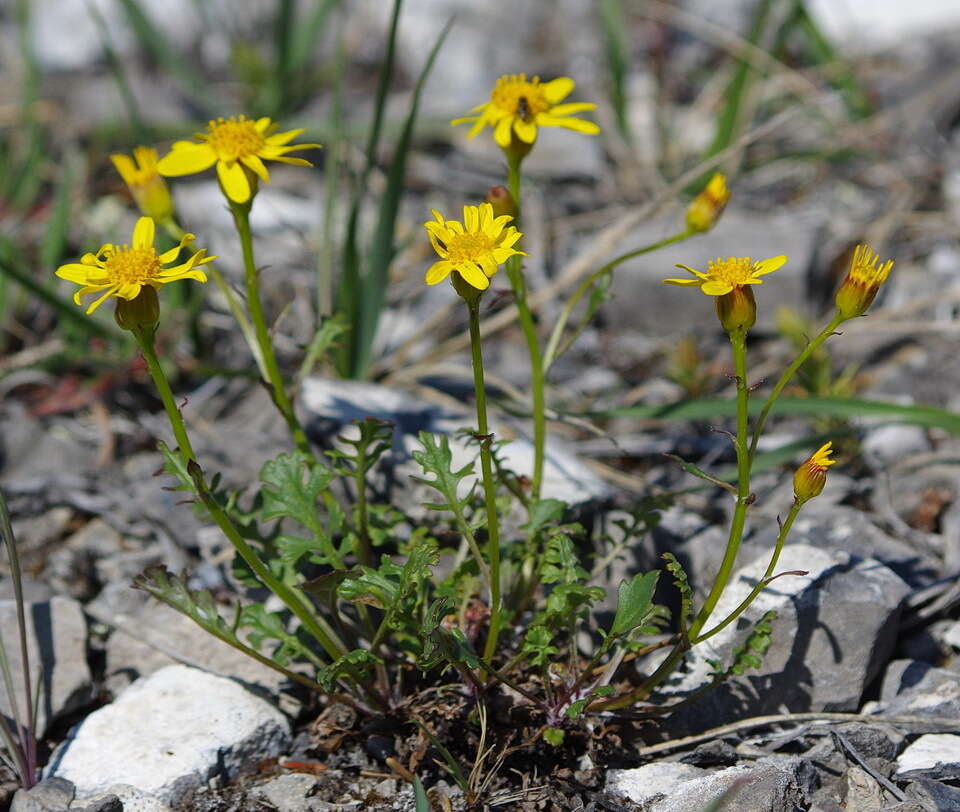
x: 734, y: 271
x: 126, y: 265
x: 469, y: 247
x: 518, y: 97
x: 234, y: 138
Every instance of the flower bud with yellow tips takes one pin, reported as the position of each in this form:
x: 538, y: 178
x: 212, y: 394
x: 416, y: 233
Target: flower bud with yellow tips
x: 863, y: 280
x: 149, y: 189
x: 810, y: 478
x: 705, y: 209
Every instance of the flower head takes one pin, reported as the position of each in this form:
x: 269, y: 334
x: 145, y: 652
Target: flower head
x: 474, y: 248
x: 863, y: 280
x: 518, y: 106
x: 148, y: 188
x: 810, y: 478
x: 705, y: 209
x: 728, y: 280
x: 123, y: 270
x: 238, y: 146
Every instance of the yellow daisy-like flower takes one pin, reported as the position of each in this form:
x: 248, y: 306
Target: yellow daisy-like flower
x: 723, y: 275
x: 518, y: 106
x: 863, y: 281
x: 148, y: 188
x: 238, y: 146
x: 729, y: 280
x: 474, y: 248
x: 123, y: 270
x: 811, y: 477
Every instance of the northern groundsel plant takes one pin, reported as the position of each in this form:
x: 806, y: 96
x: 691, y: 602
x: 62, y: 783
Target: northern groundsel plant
x: 365, y: 605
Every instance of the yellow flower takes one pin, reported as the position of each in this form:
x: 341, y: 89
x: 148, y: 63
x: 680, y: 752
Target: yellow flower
x: 728, y: 280
x: 123, y: 270
x: 810, y: 478
x: 518, y: 106
x: 148, y: 188
x: 474, y: 248
x: 705, y: 209
x: 863, y: 280
x: 238, y: 146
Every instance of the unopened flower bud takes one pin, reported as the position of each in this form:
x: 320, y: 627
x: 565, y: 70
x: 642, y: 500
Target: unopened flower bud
x: 737, y: 310
x: 141, y: 311
x: 810, y: 478
x: 863, y: 280
x: 502, y: 201
x: 705, y: 209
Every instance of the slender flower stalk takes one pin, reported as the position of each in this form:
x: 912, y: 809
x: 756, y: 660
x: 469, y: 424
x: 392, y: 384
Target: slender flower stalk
x: 471, y: 253
x: 538, y: 380
x: 241, y: 218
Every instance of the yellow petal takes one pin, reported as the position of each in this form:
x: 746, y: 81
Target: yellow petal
x: 768, y: 265
x: 694, y: 271
x: 255, y: 165
x: 438, y: 272
x: 684, y: 283
x: 279, y: 139
x: 126, y: 168
x: 473, y: 275
x: 143, y: 233
x: 578, y: 124
x: 186, y: 158
x: 558, y: 89
x: 526, y: 130
x: 75, y: 272
x: 471, y: 218
x: 100, y: 301
x: 714, y: 287
x: 502, y: 132
x: 234, y: 181
x: 173, y: 253
x: 568, y: 109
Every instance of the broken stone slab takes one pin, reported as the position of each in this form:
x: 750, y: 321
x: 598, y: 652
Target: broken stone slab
x: 290, y: 793
x: 130, y: 799
x: 169, y: 734
x: 912, y: 687
x: 50, y: 795
x: 329, y: 407
x: 933, y: 751
x: 771, y: 783
x: 57, y: 641
x: 834, y: 630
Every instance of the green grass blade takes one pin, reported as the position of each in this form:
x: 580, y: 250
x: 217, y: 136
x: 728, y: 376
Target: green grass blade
x: 841, y: 75
x: 307, y: 33
x: 12, y: 265
x: 55, y: 234
x: 730, y: 120
x: 421, y: 802
x: 846, y: 408
x: 614, y: 25
x: 383, y: 248
x: 155, y: 43
x: 350, y: 289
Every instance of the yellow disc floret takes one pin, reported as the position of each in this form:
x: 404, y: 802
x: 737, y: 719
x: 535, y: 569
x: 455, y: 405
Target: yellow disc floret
x: 474, y: 248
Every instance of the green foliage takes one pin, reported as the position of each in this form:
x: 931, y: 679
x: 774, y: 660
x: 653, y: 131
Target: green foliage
x: 749, y: 654
x: 554, y: 736
x: 634, y: 603
x: 373, y: 441
x: 576, y: 709
x: 442, y: 643
x: 686, y: 593
x: 354, y: 665
x: 436, y: 459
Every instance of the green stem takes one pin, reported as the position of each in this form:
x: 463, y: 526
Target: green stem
x: 241, y: 217
x: 738, y: 341
x: 144, y: 337
x: 527, y: 324
x: 788, y: 374
x: 553, y: 345
x: 781, y: 539
x: 489, y: 485
x: 317, y: 627
x: 644, y: 689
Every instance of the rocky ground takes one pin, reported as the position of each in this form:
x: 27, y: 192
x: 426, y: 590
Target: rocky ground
x: 857, y: 703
